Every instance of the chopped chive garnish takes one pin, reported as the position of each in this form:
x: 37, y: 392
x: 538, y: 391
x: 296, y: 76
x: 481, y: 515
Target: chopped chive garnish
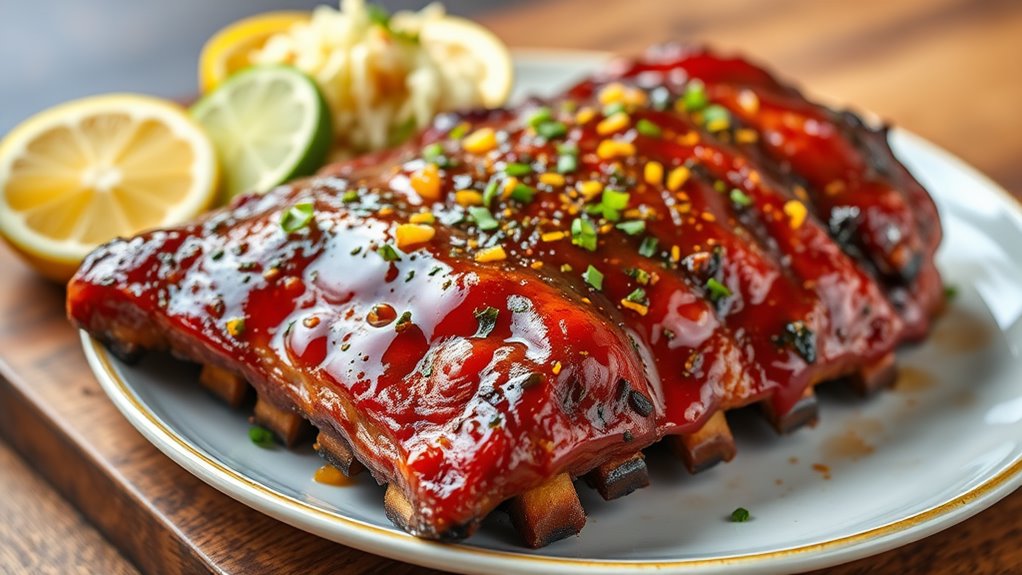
x: 296, y: 217
x: 540, y: 116
x: 483, y: 218
x: 434, y: 271
x: 522, y: 193
x: 648, y: 247
x: 611, y: 203
x: 490, y: 192
x: 517, y: 169
x: 640, y: 275
x: 716, y: 118
x: 583, y: 234
x: 739, y: 198
x: 632, y: 227
x: 566, y: 164
x: 638, y: 295
x: 717, y: 290
x: 950, y: 292
x: 432, y: 151
x: 593, y: 277
x: 388, y: 253
x: 694, y: 97
x: 260, y: 436
x: 350, y: 196
x: 458, y: 132
x: 647, y: 128
x: 403, y: 322
x: 487, y: 319
x: 611, y: 109
x: 740, y: 515
x: 551, y: 130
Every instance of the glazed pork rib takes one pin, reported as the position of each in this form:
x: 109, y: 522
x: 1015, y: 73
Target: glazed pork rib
x: 524, y: 296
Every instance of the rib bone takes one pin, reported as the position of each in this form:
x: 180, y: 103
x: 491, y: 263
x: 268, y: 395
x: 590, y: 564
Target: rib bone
x: 548, y: 513
x: 805, y: 411
x: 710, y: 445
x: 289, y: 426
x: 225, y: 384
x: 619, y: 476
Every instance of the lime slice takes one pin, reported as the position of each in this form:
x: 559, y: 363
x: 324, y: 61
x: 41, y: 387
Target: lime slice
x: 269, y: 124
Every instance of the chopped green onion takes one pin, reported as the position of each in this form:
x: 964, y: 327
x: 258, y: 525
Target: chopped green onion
x: 483, y: 218
x: 716, y: 118
x: 522, y: 193
x: 611, y: 109
x: 389, y: 253
x: 432, y: 151
x: 403, y: 322
x: 567, y: 163
x: 638, y: 295
x: 517, y: 169
x: 647, y: 128
x: 458, y: 132
x: 648, y: 247
x: 740, y: 515
x: 640, y: 275
x: 717, y: 290
x: 487, y: 319
x: 694, y: 97
x: 739, y: 198
x: 350, y: 196
x: 632, y: 227
x: 491, y: 191
x: 296, y: 217
x: 593, y: 277
x: 950, y: 292
x: 583, y: 234
x: 260, y: 436
x: 611, y: 203
x: 540, y: 116
x: 551, y: 130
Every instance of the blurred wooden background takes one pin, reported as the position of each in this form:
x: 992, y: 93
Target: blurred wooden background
x: 946, y: 69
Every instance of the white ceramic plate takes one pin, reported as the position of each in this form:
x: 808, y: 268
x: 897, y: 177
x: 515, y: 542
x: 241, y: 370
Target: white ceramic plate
x: 874, y: 474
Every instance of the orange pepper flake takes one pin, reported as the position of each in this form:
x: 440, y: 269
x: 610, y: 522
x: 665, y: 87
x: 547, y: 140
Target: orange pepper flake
x: 683, y: 208
x: 754, y: 177
x: 565, y: 268
x: 834, y: 188
x: 689, y: 138
x: 426, y: 182
x: 422, y: 218
x: 746, y: 136
x: 494, y: 254
x: 536, y: 265
x: 708, y: 217
x: 801, y: 193
x: 796, y: 211
x: 589, y: 188
x: 468, y: 198
x: 653, y: 173
x: 677, y: 178
x: 584, y: 115
x: 556, y: 368
x: 412, y: 234
x: 612, y: 124
x: 675, y: 253
x: 636, y: 307
x: 551, y: 179
x: 385, y: 211
x: 586, y: 300
x: 610, y: 149
x: 553, y: 236
x: 480, y: 141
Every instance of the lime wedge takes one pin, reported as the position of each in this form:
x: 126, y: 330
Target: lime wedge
x: 269, y: 124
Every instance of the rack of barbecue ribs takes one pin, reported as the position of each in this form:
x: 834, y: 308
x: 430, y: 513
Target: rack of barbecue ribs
x: 522, y: 297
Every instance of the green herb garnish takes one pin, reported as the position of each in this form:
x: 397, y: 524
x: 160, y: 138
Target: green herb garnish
x: 632, y: 227
x: 638, y: 295
x: 567, y: 163
x: 611, y: 203
x: 739, y: 198
x: 648, y: 246
x: 740, y: 515
x: 349, y: 196
x: 388, y: 253
x: 260, y: 436
x: 593, y: 277
x: 717, y: 290
x: 458, y: 132
x: 716, y: 118
x: 950, y: 292
x: 491, y: 191
x: 647, y: 128
x: 551, y: 130
x: 483, y: 218
x: 539, y: 116
x: 639, y: 275
x: 296, y: 217
x: 694, y: 98
x: 583, y: 234
x: 487, y: 319
x: 517, y: 169
x: 403, y: 322
x: 611, y: 109
x: 522, y: 193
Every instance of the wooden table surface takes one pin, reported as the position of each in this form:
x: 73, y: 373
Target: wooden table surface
x: 946, y: 69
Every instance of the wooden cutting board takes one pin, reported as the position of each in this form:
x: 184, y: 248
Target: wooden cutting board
x: 944, y: 68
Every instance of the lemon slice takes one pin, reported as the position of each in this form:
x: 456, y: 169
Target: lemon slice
x: 457, y: 41
x: 230, y: 49
x: 90, y: 170
x: 269, y: 124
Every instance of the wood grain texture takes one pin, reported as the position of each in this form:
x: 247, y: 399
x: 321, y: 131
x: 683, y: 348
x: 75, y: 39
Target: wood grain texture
x: 943, y: 68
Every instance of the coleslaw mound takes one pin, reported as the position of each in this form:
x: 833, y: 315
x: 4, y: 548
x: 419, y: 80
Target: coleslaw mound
x: 381, y: 78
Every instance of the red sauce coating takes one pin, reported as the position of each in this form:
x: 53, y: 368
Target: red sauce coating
x: 602, y: 269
